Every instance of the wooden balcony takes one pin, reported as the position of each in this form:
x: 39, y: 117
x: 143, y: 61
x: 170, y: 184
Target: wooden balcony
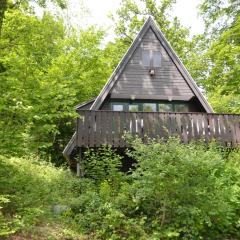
x: 95, y: 128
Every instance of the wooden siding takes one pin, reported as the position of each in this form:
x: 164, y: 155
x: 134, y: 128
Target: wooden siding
x: 135, y: 81
x: 95, y: 128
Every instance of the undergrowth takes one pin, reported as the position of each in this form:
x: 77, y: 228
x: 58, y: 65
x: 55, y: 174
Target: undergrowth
x: 29, y: 190
x: 174, y: 191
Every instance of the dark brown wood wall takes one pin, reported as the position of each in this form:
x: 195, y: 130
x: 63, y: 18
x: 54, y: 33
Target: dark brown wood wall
x: 168, y: 83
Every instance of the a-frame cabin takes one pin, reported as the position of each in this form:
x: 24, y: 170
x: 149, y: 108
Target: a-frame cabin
x: 150, y: 89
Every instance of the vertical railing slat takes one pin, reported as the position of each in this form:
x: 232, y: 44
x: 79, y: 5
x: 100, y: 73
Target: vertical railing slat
x: 98, y: 133
x: 91, y: 128
x: 122, y: 129
x: 237, y: 128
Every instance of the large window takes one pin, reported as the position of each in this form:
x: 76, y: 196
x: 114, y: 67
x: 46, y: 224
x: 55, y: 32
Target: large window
x: 133, y: 107
x: 165, y: 107
x: 149, y: 107
x: 117, y: 107
x: 158, y: 106
x: 180, y: 107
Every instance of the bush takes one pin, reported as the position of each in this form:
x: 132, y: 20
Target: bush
x: 8, y: 225
x: 177, y: 191
x: 183, y: 190
x: 28, y: 191
x: 102, y: 164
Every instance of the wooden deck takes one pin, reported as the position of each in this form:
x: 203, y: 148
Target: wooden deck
x: 95, y: 128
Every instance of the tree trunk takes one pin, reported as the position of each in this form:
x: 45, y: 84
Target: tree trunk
x: 3, y: 7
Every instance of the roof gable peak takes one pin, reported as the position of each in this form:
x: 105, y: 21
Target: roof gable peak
x: 150, y: 23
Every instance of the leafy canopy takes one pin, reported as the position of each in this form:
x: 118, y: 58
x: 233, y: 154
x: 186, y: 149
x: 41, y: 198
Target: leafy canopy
x: 44, y: 73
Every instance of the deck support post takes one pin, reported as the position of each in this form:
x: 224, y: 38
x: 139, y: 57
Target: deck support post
x: 78, y: 170
x: 79, y: 164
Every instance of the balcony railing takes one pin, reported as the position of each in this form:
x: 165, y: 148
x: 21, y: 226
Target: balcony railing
x: 95, y: 128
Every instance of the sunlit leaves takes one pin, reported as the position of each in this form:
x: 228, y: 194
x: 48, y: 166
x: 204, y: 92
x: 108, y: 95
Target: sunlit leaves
x: 45, y: 73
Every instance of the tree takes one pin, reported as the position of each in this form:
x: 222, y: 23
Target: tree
x: 28, y: 45
x: 44, y: 74
x: 3, y: 7
x: 19, y: 4
x: 222, y: 59
x: 219, y: 15
x: 224, y: 62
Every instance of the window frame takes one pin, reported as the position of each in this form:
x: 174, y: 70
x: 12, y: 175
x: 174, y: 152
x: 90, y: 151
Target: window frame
x: 154, y: 53
x: 166, y: 103
x: 149, y: 58
x: 136, y: 104
x: 156, y: 108
x: 151, y: 54
x: 119, y: 103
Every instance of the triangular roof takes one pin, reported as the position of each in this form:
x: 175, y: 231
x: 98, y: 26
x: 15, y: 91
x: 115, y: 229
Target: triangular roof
x: 150, y: 24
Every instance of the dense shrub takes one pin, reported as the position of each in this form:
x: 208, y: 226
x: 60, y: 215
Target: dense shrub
x: 183, y: 190
x: 29, y: 189
x: 102, y: 164
x: 176, y: 191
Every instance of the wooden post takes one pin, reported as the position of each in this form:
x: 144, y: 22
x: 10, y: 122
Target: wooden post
x: 78, y: 170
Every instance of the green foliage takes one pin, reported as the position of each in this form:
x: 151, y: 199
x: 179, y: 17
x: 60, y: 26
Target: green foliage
x: 224, y: 54
x: 177, y: 191
x: 182, y: 189
x: 45, y: 73
x: 103, y: 164
x: 221, y: 59
x: 219, y: 15
x: 229, y: 103
x: 26, y: 6
x: 8, y: 225
x: 29, y: 190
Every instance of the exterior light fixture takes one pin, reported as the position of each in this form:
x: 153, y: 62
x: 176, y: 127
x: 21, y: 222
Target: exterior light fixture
x: 152, y: 72
x: 132, y: 97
